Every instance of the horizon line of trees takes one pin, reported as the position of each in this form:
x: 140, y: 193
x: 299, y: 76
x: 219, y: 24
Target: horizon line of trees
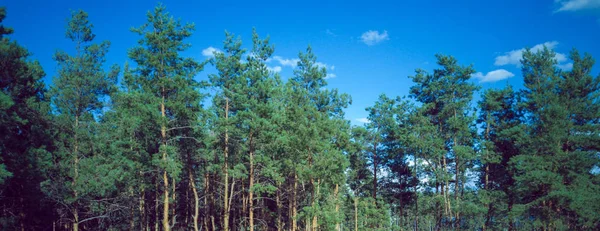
x: 134, y: 148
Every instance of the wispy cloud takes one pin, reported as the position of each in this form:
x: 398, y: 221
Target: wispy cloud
x: 292, y: 63
x: 493, y: 76
x: 324, y: 65
x: 373, y: 37
x: 210, y: 51
x: 565, y: 66
x: 330, y: 76
x: 275, y: 69
x: 286, y: 62
x: 514, y: 57
x: 363, y: 120
x: 577, y: 5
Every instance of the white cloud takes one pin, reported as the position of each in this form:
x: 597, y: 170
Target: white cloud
x: 373, y: 37
x: 493, y: 76
x: 286, y: 62
x: 323, y: 65
x: 514, y: 57
x: 565, y: 66
x: 275, y: 69
x: 330, y: 76
x: 363, y: 120
x: 210, y: 51
x: 577, y: 5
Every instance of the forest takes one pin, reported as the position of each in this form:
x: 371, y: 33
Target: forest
x: 147, y: 146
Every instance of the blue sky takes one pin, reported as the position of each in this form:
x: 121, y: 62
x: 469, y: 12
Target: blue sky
x: 368, y: 47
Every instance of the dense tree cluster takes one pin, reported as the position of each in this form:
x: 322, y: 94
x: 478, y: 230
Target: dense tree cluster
x: 135, y: 148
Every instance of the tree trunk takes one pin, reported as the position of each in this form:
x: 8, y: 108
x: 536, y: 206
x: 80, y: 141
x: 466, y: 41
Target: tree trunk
x: 456, y: 186
x: 75, y: 176
x: 250, y: 185
x: 337, y: 207
x: 196, y: 200
x: 226, y: 172
x: 174, y: 219
x: 294, y: 203
x: 163, y: 132
x: 375, y: 163
x: 456, y: 177
x: 315, y: 200
x: 207, y: 213
x: 355, y: 212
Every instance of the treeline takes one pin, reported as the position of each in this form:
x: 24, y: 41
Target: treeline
x: 134, y: 148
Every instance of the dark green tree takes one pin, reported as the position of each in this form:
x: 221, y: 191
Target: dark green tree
x: 558, y: 159
x: 229, y: 82
x: 26, y: 139
x: 502, y: 129
x: 446, y: 96
x: 167, y: 77
x: 78, y: 93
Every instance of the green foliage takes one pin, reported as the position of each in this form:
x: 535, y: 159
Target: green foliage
x: 101, y: 154
x: 25, y: 135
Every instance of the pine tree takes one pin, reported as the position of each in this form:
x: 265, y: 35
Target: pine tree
x: 446, y: 96
x: 77, y: 97
x: 167, y: 78
x: 502, y: 129
x: 255, y: 119
x: 558, y: 158
x: 226, y: 103
x: 26, y: 141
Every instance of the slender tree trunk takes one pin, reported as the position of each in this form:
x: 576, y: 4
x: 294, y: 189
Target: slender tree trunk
x: 457, y: 177
x: 207, y: 213
x: 487, y: 174
x: 456, y: 186
x: 337, y: 207
x: 163, y: 132
x: 244, y: 204
x: 447, y: 189
x: 196, y: 200
x: 315, y: 200
x: 295, y: 203
x: 250, y: 185
x: 173, y: 208
x: 212, y: 206
x: 355, y: 212
x: 75, y: 176
x: 226, y: 172
x: 375, y: 165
